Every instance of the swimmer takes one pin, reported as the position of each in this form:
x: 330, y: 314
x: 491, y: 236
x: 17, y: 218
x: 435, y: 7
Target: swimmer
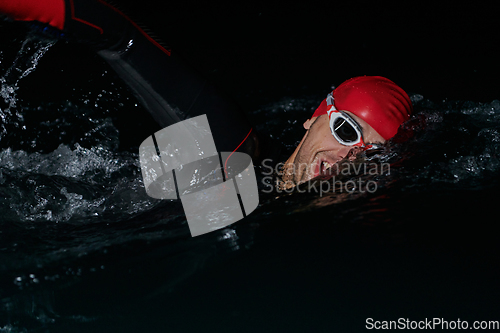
x: 360, y: 114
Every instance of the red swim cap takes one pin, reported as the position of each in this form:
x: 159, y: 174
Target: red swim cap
x: 376, y: 100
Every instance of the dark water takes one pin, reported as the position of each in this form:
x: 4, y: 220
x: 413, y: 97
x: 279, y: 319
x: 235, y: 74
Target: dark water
x: 83, y: 248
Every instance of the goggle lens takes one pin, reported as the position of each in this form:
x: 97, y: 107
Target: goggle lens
x: 345, y: 131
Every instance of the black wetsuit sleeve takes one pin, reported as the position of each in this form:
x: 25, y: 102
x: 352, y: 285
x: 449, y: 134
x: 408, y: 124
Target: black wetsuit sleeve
x: 169, y: 89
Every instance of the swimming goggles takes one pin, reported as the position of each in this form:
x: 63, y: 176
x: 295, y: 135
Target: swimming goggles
x: 345, y: 129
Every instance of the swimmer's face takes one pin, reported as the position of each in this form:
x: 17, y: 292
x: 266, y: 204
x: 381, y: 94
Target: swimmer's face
x: 319, y: 149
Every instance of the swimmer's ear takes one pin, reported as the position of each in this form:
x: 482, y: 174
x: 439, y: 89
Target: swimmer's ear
x: 309, y: 122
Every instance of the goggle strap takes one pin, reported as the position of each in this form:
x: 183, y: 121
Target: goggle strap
x: 330, y: 102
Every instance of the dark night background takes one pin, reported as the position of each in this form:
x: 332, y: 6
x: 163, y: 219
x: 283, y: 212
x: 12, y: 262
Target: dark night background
x: 437, y: 50
x: 259, y: 50
x: 262, y: 51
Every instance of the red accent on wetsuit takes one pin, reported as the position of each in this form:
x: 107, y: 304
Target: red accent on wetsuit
x: 46, y: 11
x: 376, y: 100
x: 227, y: 159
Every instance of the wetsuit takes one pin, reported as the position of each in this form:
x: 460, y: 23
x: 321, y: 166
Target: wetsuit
x: 169, y: 89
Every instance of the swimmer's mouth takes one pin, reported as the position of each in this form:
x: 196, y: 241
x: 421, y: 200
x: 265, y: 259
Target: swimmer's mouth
x: 324, y: 169
x: 325, y: 166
